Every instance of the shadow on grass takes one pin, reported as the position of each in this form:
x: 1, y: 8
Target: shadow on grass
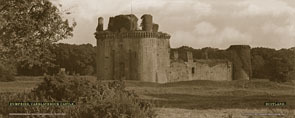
x: 220, y: 102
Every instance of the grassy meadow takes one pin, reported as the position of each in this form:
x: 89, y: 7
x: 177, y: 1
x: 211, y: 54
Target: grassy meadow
x: 200, y: 94
x: 195, y: 95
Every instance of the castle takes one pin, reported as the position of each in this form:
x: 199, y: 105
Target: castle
x: 126, y: 52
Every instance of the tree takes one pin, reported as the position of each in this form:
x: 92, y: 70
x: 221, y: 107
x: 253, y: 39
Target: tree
x: 262, y: 62
x: 284, y: 65
x: 258, y: 66
x: 28, y: 30
x: 79, y: 59
x: 76, y: 59
x: 281, y: 70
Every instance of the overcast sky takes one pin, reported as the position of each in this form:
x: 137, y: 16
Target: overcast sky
x: 196, y: 23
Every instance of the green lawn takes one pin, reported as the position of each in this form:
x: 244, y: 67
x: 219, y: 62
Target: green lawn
x: 194, y: 94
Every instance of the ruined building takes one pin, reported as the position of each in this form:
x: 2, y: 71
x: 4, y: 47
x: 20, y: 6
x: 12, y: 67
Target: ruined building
x: 124, y: 51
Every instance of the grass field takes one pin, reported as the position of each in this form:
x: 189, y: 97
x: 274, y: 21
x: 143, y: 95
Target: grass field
x: 217, y: 95
x: 225, y: 113
x: 195, y: 95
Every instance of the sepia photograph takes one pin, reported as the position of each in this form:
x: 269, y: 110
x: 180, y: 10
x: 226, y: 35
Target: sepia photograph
x: 147, y: 59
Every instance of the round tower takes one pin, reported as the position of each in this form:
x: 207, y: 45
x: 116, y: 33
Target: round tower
x: 123, y: 52
x: 240, y: 55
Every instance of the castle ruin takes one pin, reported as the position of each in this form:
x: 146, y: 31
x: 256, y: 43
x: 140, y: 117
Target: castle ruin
x: 124, y: 51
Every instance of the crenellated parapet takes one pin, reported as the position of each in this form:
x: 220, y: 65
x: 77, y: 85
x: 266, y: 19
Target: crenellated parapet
x: 125, y: 26
x: 135, y: 34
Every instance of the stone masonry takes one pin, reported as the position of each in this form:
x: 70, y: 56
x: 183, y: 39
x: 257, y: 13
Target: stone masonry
x: 126, y: 52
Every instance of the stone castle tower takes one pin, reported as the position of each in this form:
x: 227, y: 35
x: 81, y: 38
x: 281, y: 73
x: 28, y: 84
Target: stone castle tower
x: 126, y: 52
x: 241, y: 58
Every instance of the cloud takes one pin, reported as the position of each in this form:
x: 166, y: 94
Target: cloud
x: 181, y: 38
x: 197, y: 23
x: 202, y: 8
x: 204, y: 28
x: 207, y: 35
x: 258, y: 7
x: 232, y: 36
x: 280, y: 34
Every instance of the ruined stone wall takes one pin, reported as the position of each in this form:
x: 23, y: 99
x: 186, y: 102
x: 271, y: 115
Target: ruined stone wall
x: 217, y: 70
x: 137, y: 55
x: 124, y: 52
x: 240, y: 55
x: 178, y: 71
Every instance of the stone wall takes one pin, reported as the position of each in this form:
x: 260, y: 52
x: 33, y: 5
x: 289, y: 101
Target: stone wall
x: 240, y: 55
x: 216, y: 70
x: 123, y: 23
x: 137, y: 55
x: 124, y: 52
x: 178, y: 71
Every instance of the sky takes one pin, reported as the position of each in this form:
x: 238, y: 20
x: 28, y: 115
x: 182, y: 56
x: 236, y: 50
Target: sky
x: 195, y: 23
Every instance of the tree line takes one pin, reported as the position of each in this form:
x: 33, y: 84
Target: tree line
x: 75, y: 59
x: 267, y: 63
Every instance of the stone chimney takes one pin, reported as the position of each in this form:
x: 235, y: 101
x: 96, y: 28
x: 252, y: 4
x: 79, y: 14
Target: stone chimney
x: 99, y: 25
x: 189, y: 56
x: 175, y: 55
x: 147, y: 23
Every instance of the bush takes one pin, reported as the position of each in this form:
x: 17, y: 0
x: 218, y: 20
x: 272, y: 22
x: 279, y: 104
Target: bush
x: 94, y: 99
x: 60, y: 87
x: 6, y: 73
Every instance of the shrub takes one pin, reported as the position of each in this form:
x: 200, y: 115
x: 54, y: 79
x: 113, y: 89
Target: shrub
x: 60, y: 87
x: 94, y: 99
x: 6, y: 73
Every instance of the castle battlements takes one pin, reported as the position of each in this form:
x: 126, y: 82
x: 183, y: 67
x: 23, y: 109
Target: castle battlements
x: 131, y: 34
x: 125, y: 51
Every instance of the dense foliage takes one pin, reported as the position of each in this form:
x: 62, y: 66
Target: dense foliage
x: 277, y: 65
x: 76, y: 59
x: 28, y: 28
x: 5, y: 73
x: 94, y: 99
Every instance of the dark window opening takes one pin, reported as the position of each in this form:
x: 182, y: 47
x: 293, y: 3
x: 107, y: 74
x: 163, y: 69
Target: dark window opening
x: 193, y: 70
